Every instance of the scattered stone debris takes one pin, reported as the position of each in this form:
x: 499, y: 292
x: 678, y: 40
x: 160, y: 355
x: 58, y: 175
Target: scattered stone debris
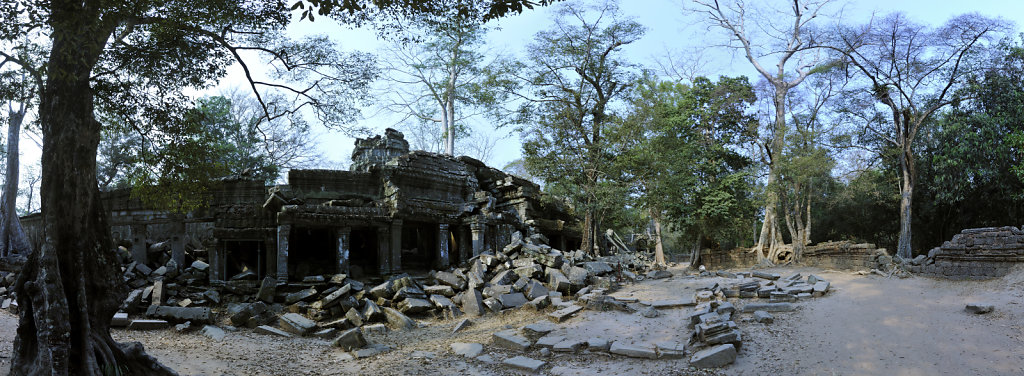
x: 980, y: 308
x: 714, y: 357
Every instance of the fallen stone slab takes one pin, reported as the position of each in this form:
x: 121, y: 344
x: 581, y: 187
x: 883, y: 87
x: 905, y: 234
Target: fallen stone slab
x: 120, y: 320
x: 513, y: 300
x: 598, y: 267
x: 980, y: 308
x: 522, y: 362
x: 633, y: 351
x: 266, y: 329
x: 673, y: 303
x: 375, y: 329
x: 350, y: 340
x: 538, y: 329
x: 765, y: 275
x: 714, y: 357
x: 213, y: 332
x: 508, y: 339
x: 415, y: 305
x: 298, y: 296
x: 569, y: 345
x: 549, y: 340
x: 469, y: 350
x: 296, y: 324
x: 201, y: 315
x: 659, y: 274
x: 671, y: 349
x: 398, y: 320
x: 763, y: 317
x: 769, y: 307
x: 148, y: 324
x: 473, y: 303
x: 564, y: 313
x: 597, y: 344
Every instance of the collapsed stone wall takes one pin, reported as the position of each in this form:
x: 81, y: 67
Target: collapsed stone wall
x: 976, y: 253
x: 832, y: 255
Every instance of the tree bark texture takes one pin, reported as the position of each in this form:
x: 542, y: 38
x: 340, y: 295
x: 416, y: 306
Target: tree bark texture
x: 903, y: 248
x: 70, y: 288
x: 12, y: 236
x: 659, y: 249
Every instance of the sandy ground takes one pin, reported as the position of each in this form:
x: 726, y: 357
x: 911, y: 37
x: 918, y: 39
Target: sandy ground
x: 868, y: 325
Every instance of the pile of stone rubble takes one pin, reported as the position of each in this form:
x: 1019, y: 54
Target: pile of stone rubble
x: 526, y: 273
x: 715, y: 339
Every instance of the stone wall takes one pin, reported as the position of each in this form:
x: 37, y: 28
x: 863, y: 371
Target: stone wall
x: 977, y: 253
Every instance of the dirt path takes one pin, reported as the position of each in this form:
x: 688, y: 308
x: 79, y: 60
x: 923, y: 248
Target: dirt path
x: 868, y: 325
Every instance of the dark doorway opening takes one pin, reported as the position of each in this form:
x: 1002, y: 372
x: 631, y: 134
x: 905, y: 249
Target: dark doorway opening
x: 363, y: 252
x: 419, y: 245
x: 312, y: 251
x: 243, y: 255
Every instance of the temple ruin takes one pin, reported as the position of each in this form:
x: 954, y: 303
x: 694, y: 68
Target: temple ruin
x: 394, y: 211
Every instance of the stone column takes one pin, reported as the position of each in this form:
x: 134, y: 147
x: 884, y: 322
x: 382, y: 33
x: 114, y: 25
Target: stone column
x: 396, y: 245
x: 478, y: 237
x: 283, y: 231
x: 178, y: 241
x: 344, y: 246
x: 442, y: 245
x: 269, y: 256
x: 465, y: 243
x: 139, y: 243
x: 383, y: 250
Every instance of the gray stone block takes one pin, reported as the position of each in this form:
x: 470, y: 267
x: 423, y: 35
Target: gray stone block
x: 714, y: 357
x: 350, y: 340
x: 980, y: 308
x: 769, y: 307
x: 296, y: 324
x: 525, y: 363
x: 633, y: 351
x: 564, y: 313
x: 508, y: 339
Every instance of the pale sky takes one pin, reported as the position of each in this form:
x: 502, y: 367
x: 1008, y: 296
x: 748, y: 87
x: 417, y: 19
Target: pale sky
x: 669, y: 30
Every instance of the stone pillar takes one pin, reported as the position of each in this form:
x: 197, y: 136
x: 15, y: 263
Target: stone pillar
x: 283, y: 231
x: 465, y: 244
x: 216, y: 271
x: 442, y: 245
x: 396, y: 245
x: 478, y: 237
x: 178, y: 241
x: 139, y: 243
x: 344, y: 246
x: 383, y: 250
x: 562, y: 243
x: 269, y: 256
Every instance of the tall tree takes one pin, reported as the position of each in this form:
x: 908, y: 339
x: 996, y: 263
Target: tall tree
x: 442, y: 79
x: 20, y: 82
x: 787, y: 35
x: 570, y: 77
x: 99, y: 52
x: 679, y: 150
x: 912, y: 71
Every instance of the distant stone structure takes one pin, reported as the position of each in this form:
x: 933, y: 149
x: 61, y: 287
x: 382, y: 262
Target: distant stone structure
x: 977, y: 253
x: 394, y: 211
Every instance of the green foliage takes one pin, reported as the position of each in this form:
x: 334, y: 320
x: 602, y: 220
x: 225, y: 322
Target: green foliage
x: 571, y: 78
x: 678, y: 149
x: 177, y: 167
x: 860, y: 209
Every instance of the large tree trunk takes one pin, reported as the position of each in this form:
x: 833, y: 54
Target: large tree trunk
x: 12, y: 236
x: 695, y: 254
x: 903, y: 249
x: 778, y: 141
x: 587, y: 244
x: 659, y: 250
x: 449, y: 111
x: 69, y: 290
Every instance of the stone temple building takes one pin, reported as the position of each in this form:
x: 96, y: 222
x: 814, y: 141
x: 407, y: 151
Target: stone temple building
x: 393, y: 211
